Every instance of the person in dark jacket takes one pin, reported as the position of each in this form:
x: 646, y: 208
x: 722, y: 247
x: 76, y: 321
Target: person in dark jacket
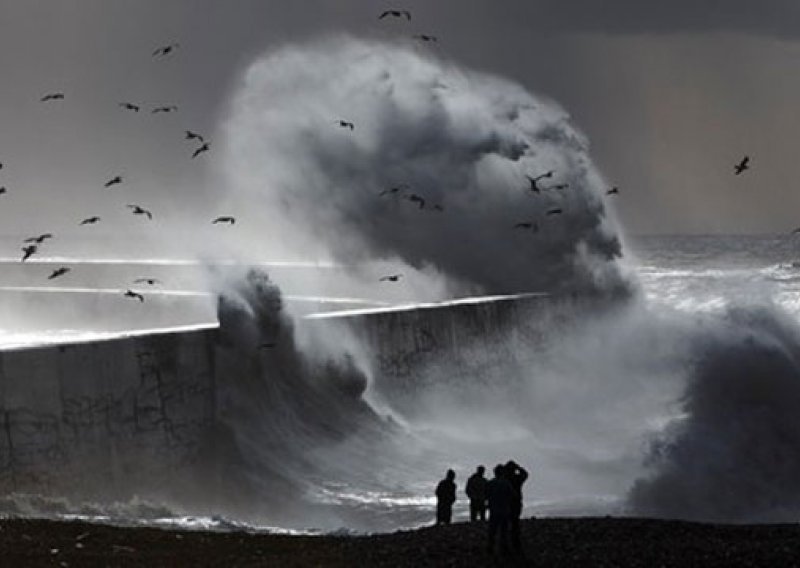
x: 500, y: 498
x: 476, y: 491
x: 517, y: 476
x: 445, y: 497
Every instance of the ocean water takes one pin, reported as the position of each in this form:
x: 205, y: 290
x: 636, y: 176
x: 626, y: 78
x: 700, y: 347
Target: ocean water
x: 582, y: 414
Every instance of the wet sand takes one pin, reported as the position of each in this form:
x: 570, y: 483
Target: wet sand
x: 596, y: 542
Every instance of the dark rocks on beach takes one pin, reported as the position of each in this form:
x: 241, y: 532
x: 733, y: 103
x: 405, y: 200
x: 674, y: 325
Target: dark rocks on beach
x: 596, y: 542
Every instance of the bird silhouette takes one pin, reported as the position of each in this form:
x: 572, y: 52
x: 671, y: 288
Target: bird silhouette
x: 132, y: 294
x: 130, y: 106
x: 113, y: 181
x: 396, y: 14
x: 166, y: 50
x: 391, y: 278
x: 224, y: 219
x: 149, y: 281
x: 40, y: 239
x: 426, y: 38
x: 742, y: 166
x: 29, y: 251
x: 168, y: 108
x: 52, y: 97
x: 3, y: 190
x: 393, y: 190
x: 1, y: 165
x: 137, y: 210
x: 613, y: 191
x: 414, y: 198
x: 559, y: 186
x: 58, y: 272
x: 534, y: 181
x: 346, y: 124
x: 90, y: 221
x: 267, y: 345
x: 193, y: 136
x: 439, y: 208
x: 556, y: 211
x: 204, y: 148
x: 525, y: 225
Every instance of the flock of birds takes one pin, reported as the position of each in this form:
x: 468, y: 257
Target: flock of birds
x: 535, y: 182
x: 31, y: 245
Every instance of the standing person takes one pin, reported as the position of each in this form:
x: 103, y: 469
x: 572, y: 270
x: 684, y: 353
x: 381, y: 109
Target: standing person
x: 445, y: 497
x: 500, y: 496
x: 476, y: 491
x: 516, y: 475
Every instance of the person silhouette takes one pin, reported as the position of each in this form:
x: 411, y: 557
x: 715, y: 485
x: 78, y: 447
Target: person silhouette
x: 445, y: 497
x: 500, y: 498
x: 476, y: 491
x: 517, y: 476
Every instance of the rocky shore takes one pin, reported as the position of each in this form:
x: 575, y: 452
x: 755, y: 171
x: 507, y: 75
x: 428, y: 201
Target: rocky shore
x: 595, y: 542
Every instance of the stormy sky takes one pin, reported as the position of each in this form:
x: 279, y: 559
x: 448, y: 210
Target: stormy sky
x: 670, y: 94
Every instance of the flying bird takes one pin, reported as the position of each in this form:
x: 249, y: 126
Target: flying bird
x: 194, y: 136
x: 52, y: 97
x: 535, y: 180
x: 613, y: 191
x: 130, y: 106
x: 556, y: 211
x: 224, y: 219
x: 346, y: 124
x: 58, y: 272
x: 90, y: 221
x: 414, y: 198
x: 140, y: 211
x: 148, y: 281
x: 204, y: 148
x: 393, y: 190
x: 113, y: 181
x: 29, y: 251
x: 391, y: 278
x: 396, y: 14
x: 439, y: 208
x: 426, y: 38
x: 742, y: 166
x: 3, y: 190
x: 166, y: 50
x: 525, y: 225
x: 559, y: 186
x: 169, y: 108
x: 268, y: 345
x: 40, y: 239
x: 132, y: 294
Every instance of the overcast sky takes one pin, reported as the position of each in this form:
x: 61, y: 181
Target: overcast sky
x: 671, y: 95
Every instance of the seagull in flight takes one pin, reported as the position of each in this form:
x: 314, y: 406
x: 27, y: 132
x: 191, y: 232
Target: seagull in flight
x: 393, y: 190
x: 166, y: 50
x: 426, y: 38
x: 58, y: 272
x: 113, y: 181
x: 742, y: 166
x: 396, y: 14
x: 391, y: 278
x: 3, y: 190
x: 168, y: 108
x: 224, y: 219
x: 29, y: 251
x: 524, y: 225
x: 40, y: 239
x: 148, y: 281
x: 204, y: 148
x: 132, y: 294
x: 52, y: 97
x: 140, y: 211
x: 556, y: 211
x: 346, y: 124
x: 130, y: 106
x: 439, y: 208
x: 194, y: 136
x: 90, y: 221
x: 267, y: 345
x: 414, y: 198
x: 534, y: 181
x: 613, y: 191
